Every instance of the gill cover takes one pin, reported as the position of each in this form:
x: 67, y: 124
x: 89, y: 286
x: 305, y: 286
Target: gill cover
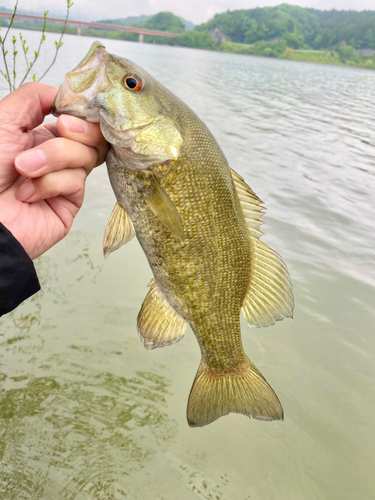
x: 136, y: 123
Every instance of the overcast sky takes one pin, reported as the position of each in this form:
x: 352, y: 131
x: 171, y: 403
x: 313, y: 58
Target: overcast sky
x: 197, y: 11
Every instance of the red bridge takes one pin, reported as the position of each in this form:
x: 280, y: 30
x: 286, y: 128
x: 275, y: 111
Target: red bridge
x: 81, y: 24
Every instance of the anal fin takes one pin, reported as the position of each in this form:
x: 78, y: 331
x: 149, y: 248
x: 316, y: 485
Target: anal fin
x: 158, y: 324
x: 119, y: 230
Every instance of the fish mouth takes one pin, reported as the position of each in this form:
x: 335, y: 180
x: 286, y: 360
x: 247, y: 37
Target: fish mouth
x: 73, y: 112
x: 80, y: 107
x: 81, y: 85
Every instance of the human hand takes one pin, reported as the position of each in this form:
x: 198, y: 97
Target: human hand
x: 43, y: 168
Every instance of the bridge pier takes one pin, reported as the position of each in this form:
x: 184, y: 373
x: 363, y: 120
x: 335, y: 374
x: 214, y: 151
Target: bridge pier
x: 79, y: 30
x: 140, y: 37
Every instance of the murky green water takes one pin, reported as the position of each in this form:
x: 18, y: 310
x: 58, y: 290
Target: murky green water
x: 87, y: 413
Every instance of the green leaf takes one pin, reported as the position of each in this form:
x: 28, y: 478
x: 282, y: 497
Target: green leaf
x: 34, y: 77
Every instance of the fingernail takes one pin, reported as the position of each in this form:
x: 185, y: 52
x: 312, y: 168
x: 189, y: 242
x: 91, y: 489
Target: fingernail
x: 26, y: 190
x: 31, y: 160
x: 74, y: 124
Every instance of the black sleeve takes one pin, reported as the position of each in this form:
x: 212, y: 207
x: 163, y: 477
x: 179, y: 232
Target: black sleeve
x: 18, y: 279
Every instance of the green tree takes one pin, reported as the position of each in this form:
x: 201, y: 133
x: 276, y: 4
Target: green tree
x: 251, y: 34
x: 294, y: 40
x: 198, y: 39
x: 346, y: 52
x: 317, y: 44
x: 165, y: 21
x: 268, y: 23
x: 369, y: 39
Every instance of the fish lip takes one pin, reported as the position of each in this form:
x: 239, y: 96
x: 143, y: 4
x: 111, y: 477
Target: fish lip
x: 76, y: 113
x: 57, y: 113
x: 54, y: 111
x: 123, y: 132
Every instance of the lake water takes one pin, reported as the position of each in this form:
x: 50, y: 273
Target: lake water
x: 87, y: 413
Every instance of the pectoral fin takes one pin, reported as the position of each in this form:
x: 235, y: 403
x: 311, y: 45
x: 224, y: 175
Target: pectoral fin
x: 119, y: 230
x: 158, y: 324
x: 164, y: 209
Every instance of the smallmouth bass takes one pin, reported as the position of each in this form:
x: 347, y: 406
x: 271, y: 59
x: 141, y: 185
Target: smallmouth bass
x: 198, y: 224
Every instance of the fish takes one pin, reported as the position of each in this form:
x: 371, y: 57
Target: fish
x: 198, y: 223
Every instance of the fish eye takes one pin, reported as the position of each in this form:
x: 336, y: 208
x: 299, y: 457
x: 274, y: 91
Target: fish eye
x: 133, y: 83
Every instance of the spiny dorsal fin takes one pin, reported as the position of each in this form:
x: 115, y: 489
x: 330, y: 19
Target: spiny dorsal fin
x: 158, y: 324
x: 269, y: 297
x: 251, y: 205
x: 164, y: 209
x: 119, y: 230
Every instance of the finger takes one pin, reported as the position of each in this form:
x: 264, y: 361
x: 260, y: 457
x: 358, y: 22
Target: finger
x: 56, y: 154
x: 85, y: 132
x: 26, y: 107
x: 67, y: 183
x: 43, y: 133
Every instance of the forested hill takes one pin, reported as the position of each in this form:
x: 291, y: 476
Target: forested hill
x: 355, y: 28
x: 297, y: 26
x: 285, y: 31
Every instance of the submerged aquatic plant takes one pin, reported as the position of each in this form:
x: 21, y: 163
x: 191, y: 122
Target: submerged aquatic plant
x: 10, y: 74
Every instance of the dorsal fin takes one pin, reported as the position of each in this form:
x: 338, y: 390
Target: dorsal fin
x: 269, y: 297
x: 251, y: 205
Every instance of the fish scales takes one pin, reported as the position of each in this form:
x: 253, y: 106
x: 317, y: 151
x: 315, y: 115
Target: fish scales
x: 202, y: 270
x: 198, y: 224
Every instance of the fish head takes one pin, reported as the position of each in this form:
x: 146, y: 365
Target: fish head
x: 128, y: 102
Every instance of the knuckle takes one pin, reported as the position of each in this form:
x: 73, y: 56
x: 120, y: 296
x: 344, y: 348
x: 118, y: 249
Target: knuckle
x: 30, y: 86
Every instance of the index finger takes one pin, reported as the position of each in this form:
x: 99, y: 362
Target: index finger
x: 26, y: 107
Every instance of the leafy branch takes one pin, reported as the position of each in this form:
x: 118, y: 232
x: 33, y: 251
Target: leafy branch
x: 11, y: 78
x: 59, y: 44
x: 36, y: 52
x: 5, y: 52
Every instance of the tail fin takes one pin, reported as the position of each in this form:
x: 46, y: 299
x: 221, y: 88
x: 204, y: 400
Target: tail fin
x: 244, y: 390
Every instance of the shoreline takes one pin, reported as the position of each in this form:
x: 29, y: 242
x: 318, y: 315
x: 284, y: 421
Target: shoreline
x: 326, y: 57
